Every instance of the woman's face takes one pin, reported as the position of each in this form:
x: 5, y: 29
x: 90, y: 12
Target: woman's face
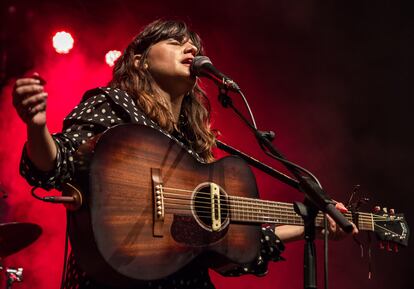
x: 169, y: 62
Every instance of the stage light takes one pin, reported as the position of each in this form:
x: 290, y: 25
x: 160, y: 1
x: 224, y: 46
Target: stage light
x: 112, y: 56
x: 63, y: 42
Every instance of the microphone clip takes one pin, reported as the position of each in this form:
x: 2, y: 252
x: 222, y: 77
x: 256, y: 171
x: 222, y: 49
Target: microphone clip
x: 223, y: 97
x: 267, y: 134
x: 229, y: 84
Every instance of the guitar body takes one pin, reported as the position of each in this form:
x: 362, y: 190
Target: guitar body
x: 112, y: 234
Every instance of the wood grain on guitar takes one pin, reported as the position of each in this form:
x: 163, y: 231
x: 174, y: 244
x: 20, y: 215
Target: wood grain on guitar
x: 150, y: 208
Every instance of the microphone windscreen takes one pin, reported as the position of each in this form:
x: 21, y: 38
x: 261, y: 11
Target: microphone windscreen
x: 198, y: 62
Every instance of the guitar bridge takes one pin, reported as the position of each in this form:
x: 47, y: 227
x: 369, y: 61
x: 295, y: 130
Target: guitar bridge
x: 158, y: 202
x: 215, y: 207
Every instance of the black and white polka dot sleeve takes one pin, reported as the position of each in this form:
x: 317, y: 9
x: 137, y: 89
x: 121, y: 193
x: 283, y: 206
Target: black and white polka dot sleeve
x: 92, y: 116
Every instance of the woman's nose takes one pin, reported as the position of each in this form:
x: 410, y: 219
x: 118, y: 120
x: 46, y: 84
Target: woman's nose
x: 190, y: 48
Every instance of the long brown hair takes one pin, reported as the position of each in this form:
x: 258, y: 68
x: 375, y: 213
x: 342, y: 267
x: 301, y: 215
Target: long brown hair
x: 195, y: 109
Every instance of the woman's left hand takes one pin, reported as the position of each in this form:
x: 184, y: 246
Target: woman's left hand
x: 334, y: 231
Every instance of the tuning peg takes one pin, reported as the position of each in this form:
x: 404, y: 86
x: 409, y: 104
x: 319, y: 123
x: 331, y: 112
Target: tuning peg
x: 385, y: 210
x: 376, y: 209
x: 396, y: 248
x: 392, y: 212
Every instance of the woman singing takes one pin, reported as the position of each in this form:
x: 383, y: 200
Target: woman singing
x: 152, y: 86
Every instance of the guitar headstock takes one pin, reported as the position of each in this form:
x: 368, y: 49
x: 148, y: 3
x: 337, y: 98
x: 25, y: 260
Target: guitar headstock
x: 391, y: 227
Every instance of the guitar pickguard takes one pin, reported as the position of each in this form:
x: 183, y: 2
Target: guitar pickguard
x: 187, y: 231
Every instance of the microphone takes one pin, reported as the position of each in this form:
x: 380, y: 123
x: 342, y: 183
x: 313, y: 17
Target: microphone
x: 202, y: 66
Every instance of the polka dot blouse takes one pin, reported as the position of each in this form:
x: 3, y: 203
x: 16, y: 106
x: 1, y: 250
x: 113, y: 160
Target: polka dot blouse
x: 100, y: 109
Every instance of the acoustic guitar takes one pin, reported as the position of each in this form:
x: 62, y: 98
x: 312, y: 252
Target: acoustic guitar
x: 150, y: 208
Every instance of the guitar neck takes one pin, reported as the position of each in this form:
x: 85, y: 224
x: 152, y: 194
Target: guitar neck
x: 247, y: 210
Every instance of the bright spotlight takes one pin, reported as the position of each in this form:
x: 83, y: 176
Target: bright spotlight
x: 63, y: 42
x: 112, y: 56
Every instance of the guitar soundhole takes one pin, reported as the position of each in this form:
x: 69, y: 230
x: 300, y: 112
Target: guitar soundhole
x: 206, y: 211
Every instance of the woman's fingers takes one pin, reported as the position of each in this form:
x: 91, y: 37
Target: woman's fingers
x: 355, y: 229
x: 28, y: 89
x: 341, y: 207
x: 38, y: 108
x: 34, y: 99
x: 26, y: 81
x: 29, y: 99
x: 336, y: 232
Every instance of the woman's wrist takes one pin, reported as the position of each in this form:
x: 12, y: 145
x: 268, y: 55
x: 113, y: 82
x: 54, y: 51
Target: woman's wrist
x: 289, y: 233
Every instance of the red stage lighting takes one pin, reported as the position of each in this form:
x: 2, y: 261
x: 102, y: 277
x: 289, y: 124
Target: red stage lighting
x: 112, y: 56
x: 63, y: 42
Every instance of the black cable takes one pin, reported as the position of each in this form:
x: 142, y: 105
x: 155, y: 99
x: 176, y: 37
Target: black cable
x: 248, y: 109
x: 289, y: 163
x: 227, y: 102
x: 34, y: 194
x: 65, y: 254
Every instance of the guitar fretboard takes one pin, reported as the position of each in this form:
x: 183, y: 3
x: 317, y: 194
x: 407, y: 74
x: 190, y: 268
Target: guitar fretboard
x: 247, y: 210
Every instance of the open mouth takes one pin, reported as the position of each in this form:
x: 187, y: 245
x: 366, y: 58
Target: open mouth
x: 187, y: 61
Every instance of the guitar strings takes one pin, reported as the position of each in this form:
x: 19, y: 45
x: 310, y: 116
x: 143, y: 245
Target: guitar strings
x: 271, y: 219
x: 249, y: 215
x: 263, y: 219
x: 249, y: 207
x: 365, y: 220
x: 264, y: 204
x: 271, y: 204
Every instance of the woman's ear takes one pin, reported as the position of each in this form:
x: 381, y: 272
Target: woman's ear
x: 137, y: 60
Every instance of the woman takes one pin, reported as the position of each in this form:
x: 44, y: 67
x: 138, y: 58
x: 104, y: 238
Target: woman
x: 152, y: 85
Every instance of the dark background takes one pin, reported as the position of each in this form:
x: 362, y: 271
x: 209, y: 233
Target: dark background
x: 332, y: 79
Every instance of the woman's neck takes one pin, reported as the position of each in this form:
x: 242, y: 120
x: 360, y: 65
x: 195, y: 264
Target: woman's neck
x: 174, y: 91
x: 175, y: 102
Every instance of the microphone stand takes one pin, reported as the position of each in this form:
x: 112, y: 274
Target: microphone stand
x: 259, y: 165
x: 315, y: 198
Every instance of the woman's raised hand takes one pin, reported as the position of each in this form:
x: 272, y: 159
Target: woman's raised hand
x: 30, y: 99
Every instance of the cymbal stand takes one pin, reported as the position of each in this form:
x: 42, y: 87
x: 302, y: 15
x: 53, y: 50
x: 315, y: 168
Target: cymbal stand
x: 13, y: 275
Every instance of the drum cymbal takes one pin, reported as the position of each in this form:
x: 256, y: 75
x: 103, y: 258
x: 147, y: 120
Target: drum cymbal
x: 16, y: 236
